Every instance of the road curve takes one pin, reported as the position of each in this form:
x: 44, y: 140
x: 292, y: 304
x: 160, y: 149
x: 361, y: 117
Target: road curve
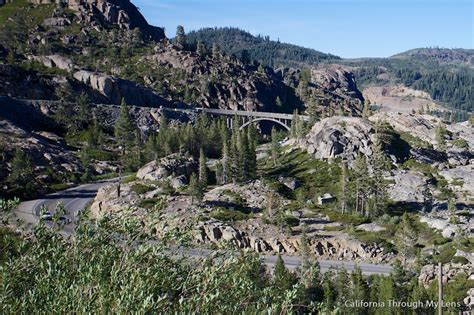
x: 75, y: 199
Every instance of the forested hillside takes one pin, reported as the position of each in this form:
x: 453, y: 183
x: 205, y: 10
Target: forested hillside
x: 447, y: 83
x: 246, y: 46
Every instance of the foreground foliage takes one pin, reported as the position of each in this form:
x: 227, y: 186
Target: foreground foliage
x: 111, y: 267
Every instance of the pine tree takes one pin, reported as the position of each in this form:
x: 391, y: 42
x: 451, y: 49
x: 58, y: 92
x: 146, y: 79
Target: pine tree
x: 358, y: 289
x: 283, y: 279
x: 343, y: 186
x: 380, y: 165
x: 180, y: 36
x: 195, y: 189
x: 385, y: 294
x: 360, y: 184
x: 216, y: 51
x: 201, y: 49
x: 203, y: 176
x: 440, y: 137
x: 427, y: 198
x: 124, y: 128
x: 406, y: 237
x: 366, y: 112
x: 226, y: 160
x: 275, y: 146
x: 84, y: 112
x: 22, y: 175
x: 278, y: 102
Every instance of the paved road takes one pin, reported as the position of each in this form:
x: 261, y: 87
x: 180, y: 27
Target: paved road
x: 75, y: 199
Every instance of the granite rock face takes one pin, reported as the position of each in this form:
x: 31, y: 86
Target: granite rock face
x: 339, y: 136
x: 173, y: 165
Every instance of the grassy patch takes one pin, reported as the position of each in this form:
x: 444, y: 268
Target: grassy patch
x: 352, y: 219
x: 316, y: 177
x: 414, y: 141
x: 228, y: 215
x: 460, y: 143
x: 152, y: 204
x: 141, y: 189
x: 424, y: 168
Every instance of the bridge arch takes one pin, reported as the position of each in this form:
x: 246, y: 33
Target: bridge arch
x: 251, y: 121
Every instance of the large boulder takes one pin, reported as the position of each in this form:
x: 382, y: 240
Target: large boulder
x: 407, y: 186
x: 54, y: 61
x: 339, y: 136
x: 172, y: 166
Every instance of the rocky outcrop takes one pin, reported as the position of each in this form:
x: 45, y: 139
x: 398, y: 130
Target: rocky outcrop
x: 174, y: 165
x: 419, y: 126
x: 113, y: 12
x: 23, y: 127
x: 339, y: 136
x: 340, y: 248
x: 54, y: 61
x: 254, y: 194
x: 407, y: 186
x: 116, y: 89
x: 234, y: 85
x: 334, y: 86
x: 430, y: 272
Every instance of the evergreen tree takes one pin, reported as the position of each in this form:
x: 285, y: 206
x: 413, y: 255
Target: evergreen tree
x: 216, y: 51
x: 22, y: 175
x: 180, y: 36
x: 380, y: 165
x: 360, y: 184
x: 278, y: 102
x: 385, y: 294
x: 85, y: 162
x: 367, y: 111
x: 226, y: 160
x: 440, y: 137
x: 124, y: 127
x: 358, y: 289
x: 427, y: 198
x: 201, y: 49
x: 343, y: 186
x: 84, y: 112
x: 283, y: 279
x: 275, y: 146
x: 195, y: 189
x: 245, y: 56
x: 203, y: 176
x: 406, y: 237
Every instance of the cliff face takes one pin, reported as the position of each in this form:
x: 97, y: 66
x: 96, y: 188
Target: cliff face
x: 117, y: 12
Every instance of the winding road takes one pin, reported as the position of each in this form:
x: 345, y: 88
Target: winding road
x: 75, y: 199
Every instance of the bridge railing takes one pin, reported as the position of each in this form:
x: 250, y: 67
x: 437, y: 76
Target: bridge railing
x: 228, y: 112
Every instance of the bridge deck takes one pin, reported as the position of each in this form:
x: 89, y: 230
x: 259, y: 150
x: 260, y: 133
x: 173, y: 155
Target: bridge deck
x: 228, y: 112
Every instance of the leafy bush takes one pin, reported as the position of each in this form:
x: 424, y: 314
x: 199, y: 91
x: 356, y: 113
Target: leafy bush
x: 225, y: 215
x: 347, y: 218
x: 141, y: 188
x: 461, y: 143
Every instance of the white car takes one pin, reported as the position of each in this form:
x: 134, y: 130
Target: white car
x: 48, y: 216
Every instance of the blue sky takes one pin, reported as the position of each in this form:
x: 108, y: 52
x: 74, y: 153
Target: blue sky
x: 348, y: 28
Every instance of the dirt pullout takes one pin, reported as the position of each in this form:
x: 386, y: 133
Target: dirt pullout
x: 398, y: 98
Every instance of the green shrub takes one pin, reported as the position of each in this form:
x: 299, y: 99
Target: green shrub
x: 461, y: 143
x: 291, y: 221
x: 224, y: 214
x: 347, y: 218
x: 141, y: 188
